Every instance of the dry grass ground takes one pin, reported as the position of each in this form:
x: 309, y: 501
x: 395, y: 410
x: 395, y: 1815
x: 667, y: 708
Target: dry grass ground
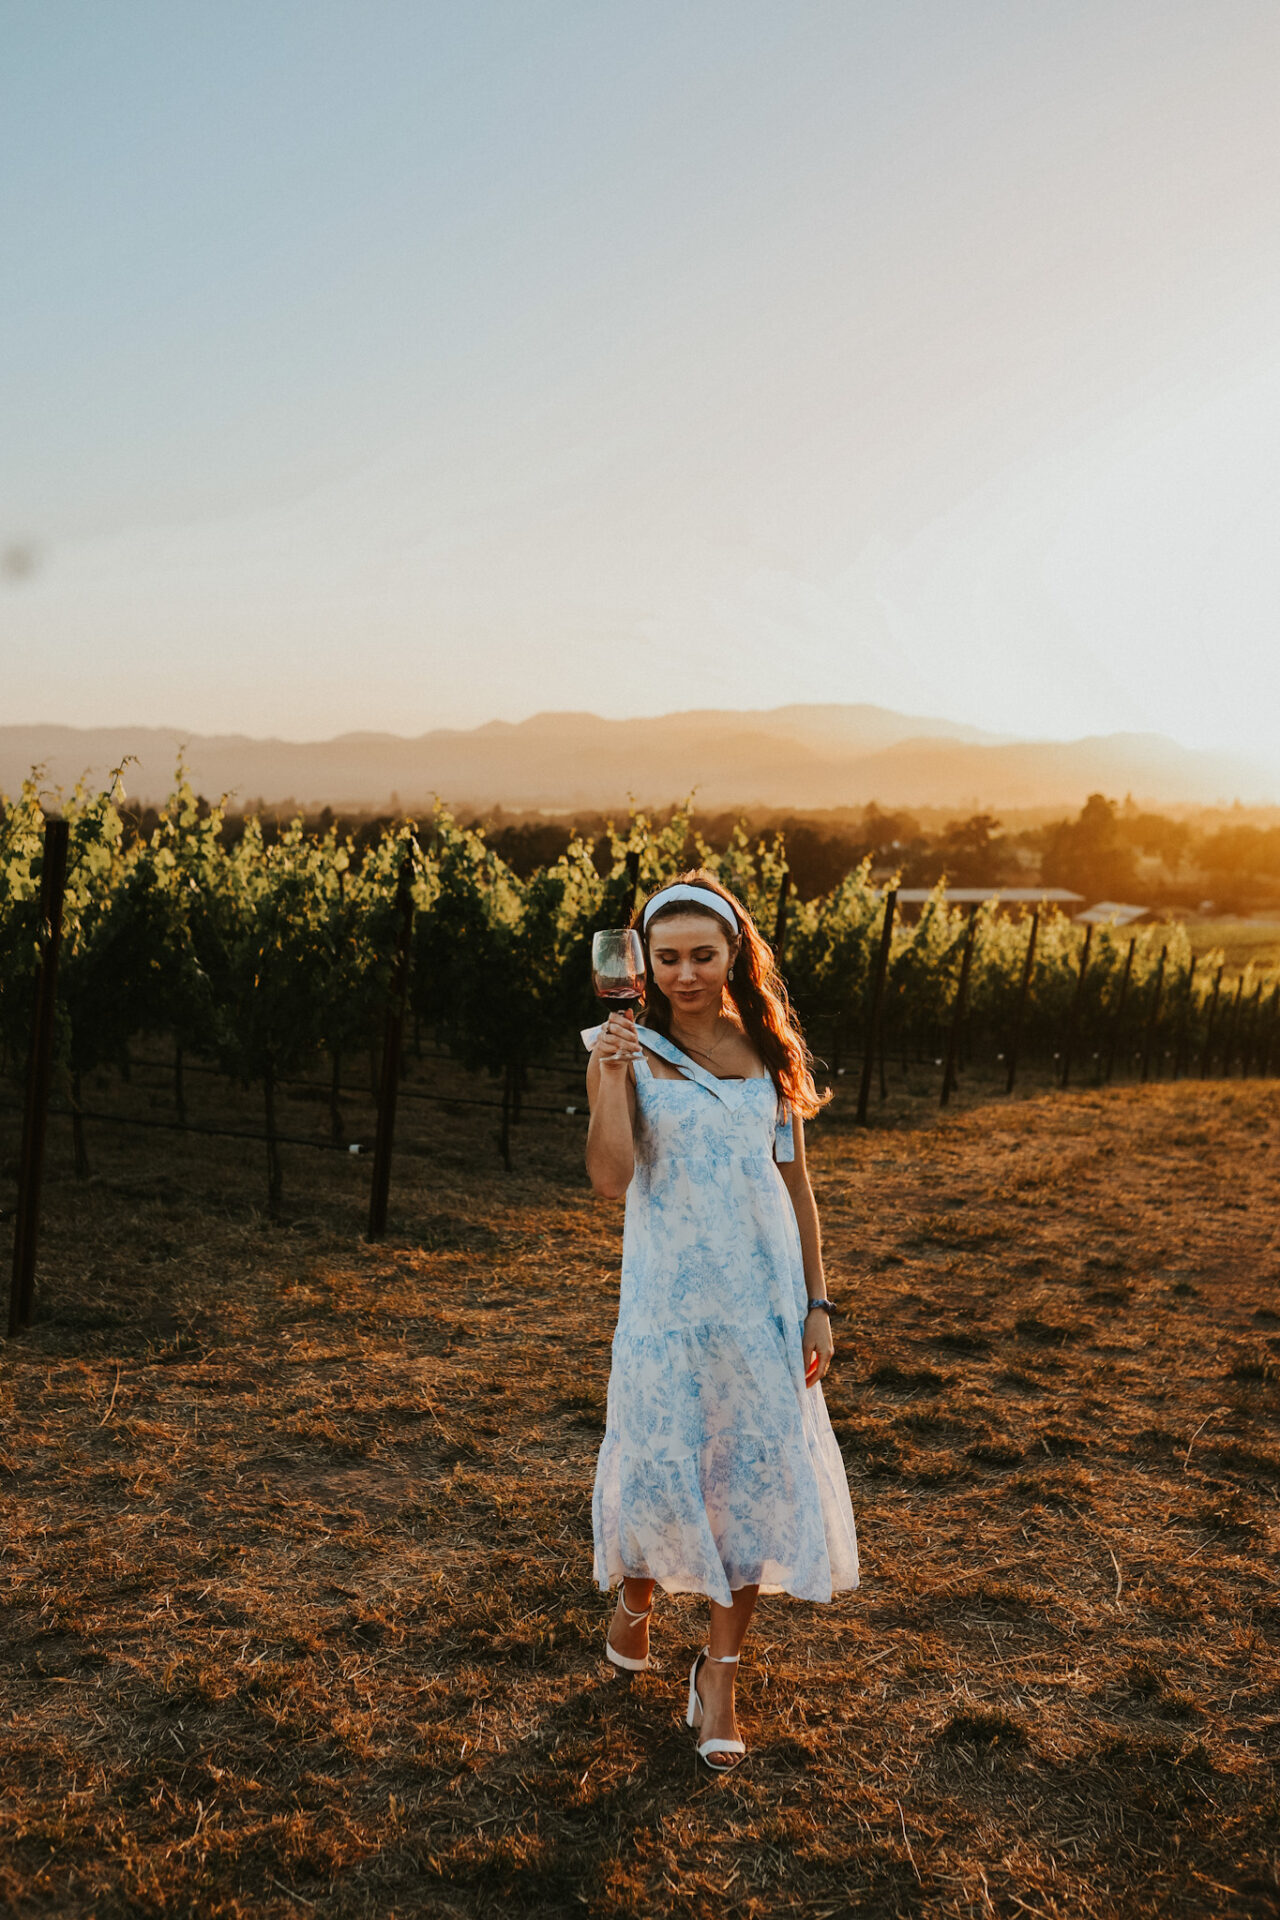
x: 297, y: 1607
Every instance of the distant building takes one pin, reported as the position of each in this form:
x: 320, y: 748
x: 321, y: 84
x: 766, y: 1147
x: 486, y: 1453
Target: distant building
x: 1008, y: 899
x: 1120, y: 912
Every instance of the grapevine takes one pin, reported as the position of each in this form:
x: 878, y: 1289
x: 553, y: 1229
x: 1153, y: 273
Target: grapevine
x: 270, y: 956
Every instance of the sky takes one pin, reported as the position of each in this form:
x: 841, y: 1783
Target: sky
x: 386, y: 364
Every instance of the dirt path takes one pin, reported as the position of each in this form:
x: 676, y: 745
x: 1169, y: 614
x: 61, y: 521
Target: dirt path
x: 296, y: 1575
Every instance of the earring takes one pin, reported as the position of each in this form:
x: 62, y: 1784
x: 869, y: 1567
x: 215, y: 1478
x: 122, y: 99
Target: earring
x: 731, y: 973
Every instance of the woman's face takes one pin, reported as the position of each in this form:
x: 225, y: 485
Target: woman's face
x: 689, y: 954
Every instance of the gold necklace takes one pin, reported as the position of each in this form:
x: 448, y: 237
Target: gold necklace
x: 708, y: 1053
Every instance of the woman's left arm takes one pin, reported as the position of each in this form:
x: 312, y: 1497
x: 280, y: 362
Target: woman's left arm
x: 817, y: 1325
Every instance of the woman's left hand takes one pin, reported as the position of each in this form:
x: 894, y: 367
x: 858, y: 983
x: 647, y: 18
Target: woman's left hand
x: 817, y: 1339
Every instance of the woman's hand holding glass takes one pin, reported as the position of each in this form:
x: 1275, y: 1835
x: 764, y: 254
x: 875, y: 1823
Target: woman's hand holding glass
x: 617, y: 1047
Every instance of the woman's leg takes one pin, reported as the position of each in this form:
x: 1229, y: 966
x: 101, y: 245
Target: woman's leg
x: 715, y: 1681
x: 626, y: 1636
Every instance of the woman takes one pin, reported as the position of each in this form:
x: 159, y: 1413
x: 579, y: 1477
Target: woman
x: 719, y: 1473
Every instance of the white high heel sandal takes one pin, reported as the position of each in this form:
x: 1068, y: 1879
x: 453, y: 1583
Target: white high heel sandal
x: 623, y: 1660
x: 707, y: 1748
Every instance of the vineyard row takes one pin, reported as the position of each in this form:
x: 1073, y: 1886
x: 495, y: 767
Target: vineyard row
x: 271, y: 961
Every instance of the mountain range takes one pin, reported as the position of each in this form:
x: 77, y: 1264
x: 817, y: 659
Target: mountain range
x: 790, y: 757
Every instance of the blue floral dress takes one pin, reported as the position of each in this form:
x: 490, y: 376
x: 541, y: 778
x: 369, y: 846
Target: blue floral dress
x: 718, y: 1467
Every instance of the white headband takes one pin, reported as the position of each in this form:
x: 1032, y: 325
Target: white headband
x: 701, y: 896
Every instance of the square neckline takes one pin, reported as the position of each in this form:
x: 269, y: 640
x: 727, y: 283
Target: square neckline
x: 721, y: 1079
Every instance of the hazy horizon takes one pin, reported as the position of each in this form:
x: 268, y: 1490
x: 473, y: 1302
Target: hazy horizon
x: 412, y: 367
x: 942, y: 721
x: 803, y: 757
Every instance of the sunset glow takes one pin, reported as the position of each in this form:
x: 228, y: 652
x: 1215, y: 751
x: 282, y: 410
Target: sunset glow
x: 423, y: 366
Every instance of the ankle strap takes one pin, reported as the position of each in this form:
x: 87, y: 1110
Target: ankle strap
x: 634, y: 1616
x: 721, y: 1659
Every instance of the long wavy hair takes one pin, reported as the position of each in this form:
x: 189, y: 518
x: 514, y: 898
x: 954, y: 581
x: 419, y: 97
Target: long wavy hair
x: 757, y: 990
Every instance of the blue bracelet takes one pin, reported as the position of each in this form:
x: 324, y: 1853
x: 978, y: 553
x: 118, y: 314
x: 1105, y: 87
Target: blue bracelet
x: 823, y: 1306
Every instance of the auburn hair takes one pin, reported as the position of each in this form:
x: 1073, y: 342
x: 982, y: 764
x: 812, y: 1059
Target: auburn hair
x: 757, y: 990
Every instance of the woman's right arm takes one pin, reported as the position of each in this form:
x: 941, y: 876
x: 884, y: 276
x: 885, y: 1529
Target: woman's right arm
x: 611, y: 1095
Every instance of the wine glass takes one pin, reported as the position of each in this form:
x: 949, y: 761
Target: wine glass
x: 617, y: 969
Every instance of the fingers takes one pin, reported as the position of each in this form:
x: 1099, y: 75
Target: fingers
x: 822, y: 1355
x: 616, y: 1041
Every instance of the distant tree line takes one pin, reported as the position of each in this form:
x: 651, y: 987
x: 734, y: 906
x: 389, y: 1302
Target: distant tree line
x: 1109, y: 851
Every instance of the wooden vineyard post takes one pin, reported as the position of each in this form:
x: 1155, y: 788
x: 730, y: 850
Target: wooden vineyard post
x: 1184, y: 1017
x: 1153, y: 1015
x: 1024, y: 988
x: 1118, y: 1016
x: 876, y: 1001
x: 392, y: 1045
x: 53, y: 887
x: 957, y: 1010
x: 780, y: 921
x: 1073, y: 1021
x: 1233, y: 1027
x: 1208, y: 1032
x: 1251, y: 1032
x: 1264, y: 1065
x: 633, y: 878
